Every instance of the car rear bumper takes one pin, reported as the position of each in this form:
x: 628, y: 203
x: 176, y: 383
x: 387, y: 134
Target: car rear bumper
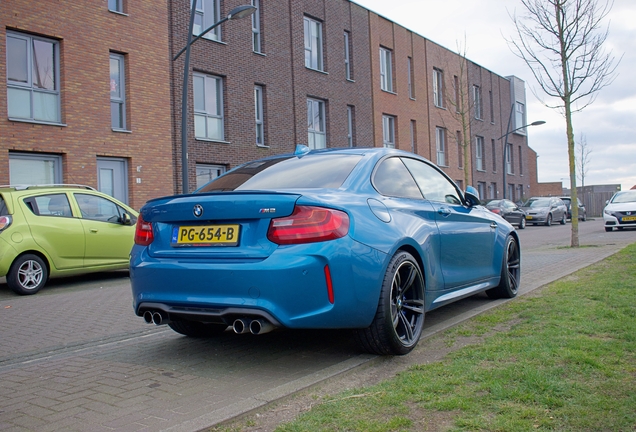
x: 289, y: 288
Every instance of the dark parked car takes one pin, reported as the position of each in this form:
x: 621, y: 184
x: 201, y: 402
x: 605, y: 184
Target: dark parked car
x: 361, y: 238
x: 545, y: 210
x: 582, y: 211
x: 509, y: 211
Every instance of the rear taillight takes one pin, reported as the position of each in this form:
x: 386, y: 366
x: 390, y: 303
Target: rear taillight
x: 5, y: 221
x: 143, y: 232
x: 495, y: 210
x: 309, y: 225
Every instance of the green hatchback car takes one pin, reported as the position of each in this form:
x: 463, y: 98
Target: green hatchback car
x: 61, y: 230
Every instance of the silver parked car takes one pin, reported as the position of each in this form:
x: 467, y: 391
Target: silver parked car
x: 545, y: 210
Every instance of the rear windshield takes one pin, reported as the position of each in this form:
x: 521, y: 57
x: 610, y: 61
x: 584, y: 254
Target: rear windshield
x: 3, y: 207
x: 326, y: 171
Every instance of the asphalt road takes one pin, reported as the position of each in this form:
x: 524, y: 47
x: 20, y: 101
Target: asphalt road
x: 75, y: 357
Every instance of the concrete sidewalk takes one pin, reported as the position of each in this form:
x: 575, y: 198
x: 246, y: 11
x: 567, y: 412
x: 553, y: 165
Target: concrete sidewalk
x: 77, y: 359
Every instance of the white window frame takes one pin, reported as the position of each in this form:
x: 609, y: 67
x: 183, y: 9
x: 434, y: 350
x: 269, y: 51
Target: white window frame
x: 479, y: 153
x: 350, y: 120
x: 207, y: 13
x: 438, y: 88
x: 313, y: 44
x: 54, y: 168
x: 16, y: 89
x: 386, y: 69
x: 316, y: 130
x: 116, y: 6
x: 440, y: 145
x: 477, y: 102
x: 520, y: 116
x: 203, y: 178
x: 256, y: 27
x: 347, y: 54
x: 118, y: 100
x: 204, y: 107
x: 388, y: 131
x: 509, y: 165
x: 259, y: 117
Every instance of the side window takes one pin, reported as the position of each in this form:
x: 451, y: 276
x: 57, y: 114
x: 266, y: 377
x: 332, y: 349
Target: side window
x: 393, y: 179
x: 98, y: 208
x: 433, y: 184
x: 49, y: 205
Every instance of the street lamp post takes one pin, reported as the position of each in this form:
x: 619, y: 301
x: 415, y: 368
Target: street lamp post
x: 505, y: 146
x: 236, y: 13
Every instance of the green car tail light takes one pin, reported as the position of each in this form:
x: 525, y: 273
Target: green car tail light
x: 5, y: 221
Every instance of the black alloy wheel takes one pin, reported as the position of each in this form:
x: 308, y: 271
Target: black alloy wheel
x: 399, y: 319
x: 510, y: 272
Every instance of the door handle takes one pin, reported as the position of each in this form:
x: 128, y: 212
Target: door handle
x: 93, y: 230
x: 444, y: 211
x: 493, y: 225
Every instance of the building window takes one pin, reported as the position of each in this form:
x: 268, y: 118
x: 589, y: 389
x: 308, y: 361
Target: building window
x: 479, y: 153
x: 347, y: 54
x: 438, y: 88
x: 456, y: 86
x: 492, y: 108
x: 116, y: 6
x: 409, y: 65
x: 477, y: 101
x: 481, y: 189
x: 386, y: 70
x: 440, y: 145
x: 317, y: 135
x: 313, y: 44
x: 33, y: 91
x: 350, y: 126
x: 460, y: 149
x: 207, y: 14
x: 460, y: 184
x: 511, y: 192
x: 509, y: 159
x: 34, y: 169
x: 259, y: 115
x: 520, y: 116
x: 520, y: 161
x: 493, y: 145
x: 256, y: 26
x: 208, y: 107
x: 388, y: 131
x: 117, y: 92
x: 492, y: 191
x: 207, y: 173
x: 413, y: 136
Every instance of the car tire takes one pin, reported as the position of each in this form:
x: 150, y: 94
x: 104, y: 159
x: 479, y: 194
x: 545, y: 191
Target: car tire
x: 609, y: 229
x: 510, y: 272
x: 197, y: 329
x: 27, y: 275
x: 584, y: 218
x: 522, y: 223
x: 563, y: 220
x: 548, y: 221
x: 399, y: 318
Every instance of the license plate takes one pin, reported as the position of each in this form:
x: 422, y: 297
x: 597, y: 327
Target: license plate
x: 628, y: 218
x: 528, y: 217
x: 205, y: 235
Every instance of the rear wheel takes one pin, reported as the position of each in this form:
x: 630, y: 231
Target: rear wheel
x: 27, y: 274
x: 510, y: 272
x: 398, y: 321
x: 196, y: 329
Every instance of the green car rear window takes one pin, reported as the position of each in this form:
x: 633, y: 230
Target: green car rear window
x: 3, y: 207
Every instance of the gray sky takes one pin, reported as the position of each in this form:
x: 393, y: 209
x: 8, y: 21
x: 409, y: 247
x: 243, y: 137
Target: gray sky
x: 609, y: 124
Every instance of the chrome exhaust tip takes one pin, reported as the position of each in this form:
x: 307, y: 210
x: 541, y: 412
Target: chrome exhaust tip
x: 157, y: 318
x: 261, y: 327
x: 148, y: 317
x: 241, y: 325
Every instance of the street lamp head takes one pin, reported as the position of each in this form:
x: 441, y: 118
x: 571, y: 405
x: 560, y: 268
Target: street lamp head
x: 241, y: 12
x: 537, y: 123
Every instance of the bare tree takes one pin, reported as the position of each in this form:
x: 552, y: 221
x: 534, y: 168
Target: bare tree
x: 582, y: 158
x: 561, y: 41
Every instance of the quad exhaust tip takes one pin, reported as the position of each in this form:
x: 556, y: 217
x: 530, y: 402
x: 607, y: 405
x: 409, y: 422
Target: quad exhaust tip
x: 256, y: 327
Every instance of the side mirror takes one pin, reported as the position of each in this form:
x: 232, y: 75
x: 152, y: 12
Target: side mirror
x: 472, y: 199
x: 125, y: 219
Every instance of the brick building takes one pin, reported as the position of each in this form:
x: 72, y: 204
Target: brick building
x: 325, y: 73
x: 88, y: 90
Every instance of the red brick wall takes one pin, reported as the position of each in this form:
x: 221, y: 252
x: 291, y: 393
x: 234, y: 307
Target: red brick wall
x: 87, y: 33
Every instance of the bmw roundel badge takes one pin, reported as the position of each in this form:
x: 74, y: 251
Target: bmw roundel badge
x: 197, y: 210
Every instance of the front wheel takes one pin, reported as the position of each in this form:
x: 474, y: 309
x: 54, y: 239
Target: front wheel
x: 510, y: 272
x: 27, y: 274
x: 399, y: 318
x: 563, y: 219
x: 548, y: 221
x: 522, y: 223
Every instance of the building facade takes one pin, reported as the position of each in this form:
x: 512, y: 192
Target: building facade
x: 94, y: 97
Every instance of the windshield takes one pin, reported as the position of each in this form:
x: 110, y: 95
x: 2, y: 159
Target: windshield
x: 624, y: 197
x: 493, y: 204
x: 537, y: 202
x: 327, y: 171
